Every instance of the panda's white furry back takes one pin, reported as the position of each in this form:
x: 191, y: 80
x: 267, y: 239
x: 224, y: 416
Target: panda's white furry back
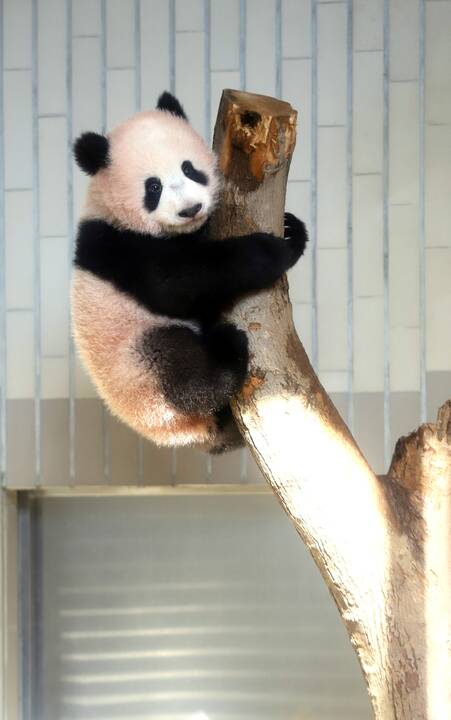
x: 149, y: 287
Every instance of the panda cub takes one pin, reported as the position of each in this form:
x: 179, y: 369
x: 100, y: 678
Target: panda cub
x: 150, y: 288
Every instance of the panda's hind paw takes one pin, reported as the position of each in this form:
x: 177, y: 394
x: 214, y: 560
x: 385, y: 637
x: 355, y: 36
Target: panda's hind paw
x: 227, y: 344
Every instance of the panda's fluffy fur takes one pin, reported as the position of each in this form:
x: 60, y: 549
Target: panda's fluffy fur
x: 149, y: 288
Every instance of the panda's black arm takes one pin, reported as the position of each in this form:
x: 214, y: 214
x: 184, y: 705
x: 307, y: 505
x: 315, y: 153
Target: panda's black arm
x: 199, y: 278
x: 187, y: 276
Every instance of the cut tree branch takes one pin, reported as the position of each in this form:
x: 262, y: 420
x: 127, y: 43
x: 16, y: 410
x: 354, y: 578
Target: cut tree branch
x: 381, y: 544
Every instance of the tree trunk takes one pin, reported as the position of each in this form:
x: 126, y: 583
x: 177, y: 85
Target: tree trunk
x: 381, y: 544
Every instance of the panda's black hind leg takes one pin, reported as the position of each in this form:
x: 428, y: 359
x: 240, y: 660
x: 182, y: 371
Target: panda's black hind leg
x: 199, y: 372
x: 228, y: 436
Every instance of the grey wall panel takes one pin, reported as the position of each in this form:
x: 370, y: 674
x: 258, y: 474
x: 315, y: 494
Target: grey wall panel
x: 369, y: 428
x: 405, y: 417
x: 20, y: 443
x: 89, y: 449
x: 157, y: 465
x: 55, y: 442
x: 124, y: 453
x: 438, y: 391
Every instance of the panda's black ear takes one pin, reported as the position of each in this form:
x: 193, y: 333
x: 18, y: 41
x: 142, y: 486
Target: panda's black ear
x: 91, y: 152
x: 168, y: 102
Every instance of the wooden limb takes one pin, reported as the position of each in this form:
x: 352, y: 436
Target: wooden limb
x: 371, y: 538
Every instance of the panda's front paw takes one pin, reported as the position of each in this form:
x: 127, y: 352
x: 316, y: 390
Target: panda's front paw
x: 295, y: 234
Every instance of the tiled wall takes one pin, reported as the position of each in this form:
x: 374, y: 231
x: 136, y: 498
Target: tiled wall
x: 371, y: 175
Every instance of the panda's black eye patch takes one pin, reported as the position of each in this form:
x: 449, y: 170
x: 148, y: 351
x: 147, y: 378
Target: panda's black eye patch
x: 152, y: 195
x: 190, y: 171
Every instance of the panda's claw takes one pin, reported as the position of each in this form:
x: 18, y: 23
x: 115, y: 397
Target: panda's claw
x: 295, y: 234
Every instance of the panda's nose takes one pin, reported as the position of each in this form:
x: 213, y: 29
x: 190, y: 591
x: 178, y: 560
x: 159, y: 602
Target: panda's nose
x: 190, y: 212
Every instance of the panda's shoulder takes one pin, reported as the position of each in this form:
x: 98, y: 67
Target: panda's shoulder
x: 96, y: 241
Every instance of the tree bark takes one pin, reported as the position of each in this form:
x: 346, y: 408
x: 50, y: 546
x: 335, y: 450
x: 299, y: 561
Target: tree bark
x: 381, y: 544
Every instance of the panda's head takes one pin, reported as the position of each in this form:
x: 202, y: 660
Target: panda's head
x: 152, y: 174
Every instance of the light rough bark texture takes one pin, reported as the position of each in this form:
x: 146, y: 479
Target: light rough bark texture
x: 382, y: 544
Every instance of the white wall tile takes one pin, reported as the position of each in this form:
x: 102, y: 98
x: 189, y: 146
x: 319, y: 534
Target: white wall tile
x: 438, y: 62
x: 18, y: 129
x: 296, y: 28
x: 54, y: 296
x: 302, y: 317
x: 120, y: 40
x: 332, y: 309
x: 19, y: 354
x: 404, y: 270
x: 155, y: 51
x: 17, y: 34
x: 404, y: 359
x: 190, y: 82
x: 86, y: 104
x: 368, y: 25
x: 404, y: 40
x: 221, y: 80
x: 225, y: 35
x: 332, y: 58
x: 54, y: 378
x: 300, y: 277
x: 53, y: 176
x: 438, y: 308
x: 298, y: 200
x: 367, y: 236
x: 84, y: 387
x: 80, y: 186
x: 52, y: 56
x: 332, y: 199
x: 260, y: 47
x: 334, y: 381
x: 19, y: 249
x: 296, y: 89
x: 120, y: 96
x: 368, y: 344
x: 86, y: 17
x: 438, y: 185
x: 404, y: 143
x: 86, y: 85
x: 368, y: 112
x: 189, y: 15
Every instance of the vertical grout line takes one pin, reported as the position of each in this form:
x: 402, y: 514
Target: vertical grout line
x: 422, y: 230
x: 243, y: 22
x: 278, y: 47
x: 70, y: 216
x: 172, y: 48
x: 386, y: 140
x: 2, y: 273
x: 103, y: 89
x: 138, y: 104
x: 36, y: 600
x: 137, y: 43
x: 207, y: 69
x: 244, y: 452
x: 36, y: 243
x: 314, y: 182
x: 350, y: 238
x: 24, y: 604
x: 207, y: 82
x: 172, y: 80
x: 242, y: 53
x: 105, y: 433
